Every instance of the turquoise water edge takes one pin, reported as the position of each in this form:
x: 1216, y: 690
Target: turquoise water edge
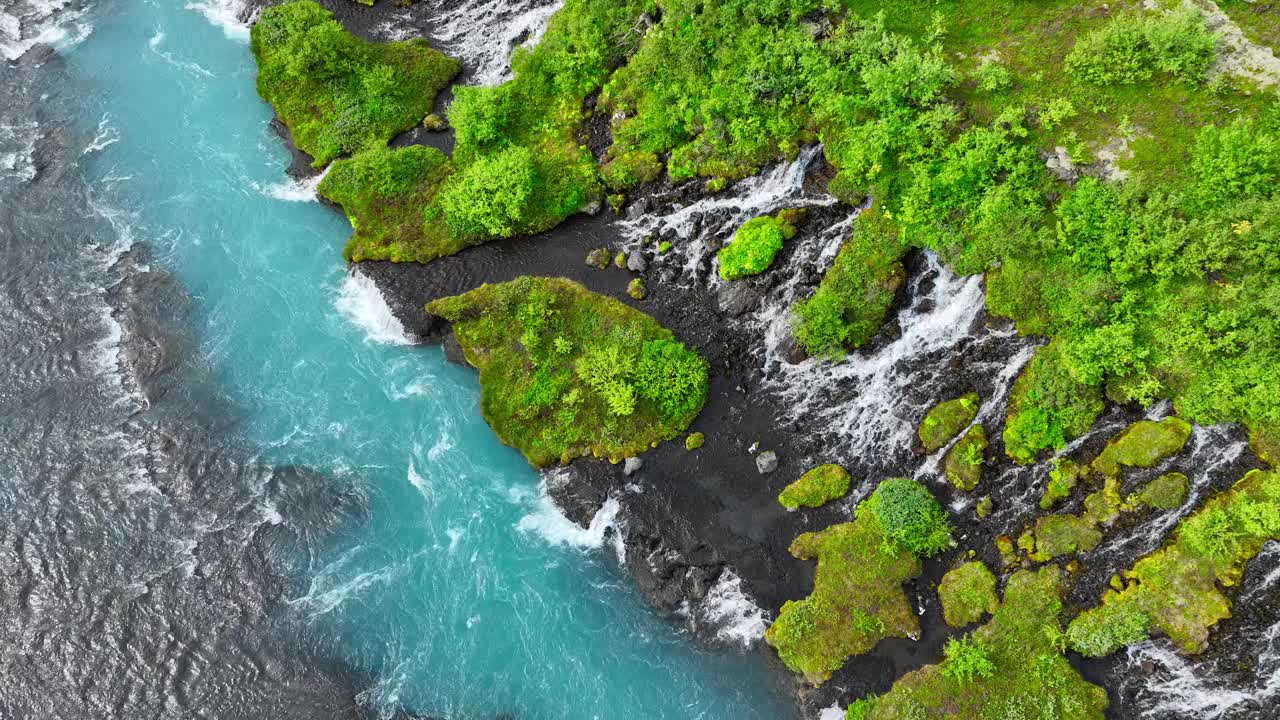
x: 465, y: 594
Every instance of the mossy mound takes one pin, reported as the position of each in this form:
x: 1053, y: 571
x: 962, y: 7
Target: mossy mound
x: 1063, y: 478
x: 1047, y: 406
x: 1177, y: 590
x: 857, y: 597
x: 694, y: 441
x: 1265, y: 444
x: 945, y: 420
x: 816, y: 487
x: 963, y: 462
x: 1143, y: 444
x: 756, y: 243
x: 856, y: 292
x: 565, y: 372
x: 1166, y: 492
x: 967, y: 593
x: 337, y: 93
x: 1011, y: 668
x: 1058, y: 535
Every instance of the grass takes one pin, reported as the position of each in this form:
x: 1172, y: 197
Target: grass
x: 1179, y: 590
x: 816, y: 487
x: 945, y: 420
x: 967, y: 593
x: 336, y: 93
x: 565, y: 372
x: 1025, y: 674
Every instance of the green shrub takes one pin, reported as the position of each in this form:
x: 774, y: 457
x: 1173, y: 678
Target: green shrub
x: 754, y: 245
x: 1047, y: 407
x: 1132, y: 48
x: 966, y: 660
x: 489, y: 196
x: 992, y: 77
x: 911, y: 516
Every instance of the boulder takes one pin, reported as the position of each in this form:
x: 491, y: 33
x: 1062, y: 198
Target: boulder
x: 636, y: 261
x: 632, y: 466
x: 767, y: 462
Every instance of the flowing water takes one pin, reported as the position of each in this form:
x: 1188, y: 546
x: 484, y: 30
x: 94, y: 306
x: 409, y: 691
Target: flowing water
x: 441, y: 579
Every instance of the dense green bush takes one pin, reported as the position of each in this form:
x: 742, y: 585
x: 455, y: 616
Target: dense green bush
x: 1132, y: 48
x: 966, y: 660
x: 755, y: 244
x: 489, y: 197
x: 911, y: 516
x: 337, y: 93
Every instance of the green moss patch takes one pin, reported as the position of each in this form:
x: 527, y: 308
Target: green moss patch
x: 967, y: 593
x: 945, y: 420
x: 756, y: 243
x: 337, y: 93
x: 856, y: 292
x: 1143, y: 444
x: 1010, y: 667
x: 1058, y: 535
x: 1047, y: 406
x: 1178, y: 589
x: 963, y: 462
x: 1166, y: 492
x: 1265, y: 444
x: 816, y: 487
x: 694, y: 441
x: 857, y: 597
x: 565, y: 372
x: 1063, y: 478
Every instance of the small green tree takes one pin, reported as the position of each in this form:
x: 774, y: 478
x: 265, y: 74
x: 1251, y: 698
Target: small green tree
x: 490, y: 196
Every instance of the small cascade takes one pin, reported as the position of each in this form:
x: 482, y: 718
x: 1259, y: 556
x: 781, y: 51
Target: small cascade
x: 27, y: 23
x: 481, y: 33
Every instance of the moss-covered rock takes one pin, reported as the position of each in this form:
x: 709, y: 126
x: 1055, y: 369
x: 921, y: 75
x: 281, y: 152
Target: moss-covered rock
x: 1048, y: 406
x: 816, y: 487
x: 967, y: 593
x: 756, y: 243
x: 1178, y: 589
x: 1063, y: 478
x: 1166, y: 492
x: 1024, y: 672
x: 857, y: 598
x: 945, y: 420
x: 1265, y: 443
x: 637, y: 289
x: 1058, y: 535
x: 984, y: 506
x: 963, y: 461
x: 694, y: 441
x: 565, y: 372
x: 1143, y: 444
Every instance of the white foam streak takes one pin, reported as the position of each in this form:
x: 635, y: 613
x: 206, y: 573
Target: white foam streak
x: 735, y: 617
x: 360, y: 302
x: 106, y: 136
x: 225, y: 14
x: 17, y: 150
x: 547, y: 522
x: 291, y: 190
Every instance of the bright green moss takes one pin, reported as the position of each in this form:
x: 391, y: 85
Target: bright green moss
x: 816, y: 487
x: 756, y: 243
x: 1166, y: 492
x: 565, y: 372
x: 694, y: 441
x: 856, y: 292
x: 1062, y: 480
x: 1047, y: 407
x: 1143, y: 444
x: 945, y: 420
x: 1024, y: 674
x: 337, y: 93
x: 1058, y: 535
x: 967, y: 593
x: 963, y: 462
x: 857, y: 598
x: 1178, y: 589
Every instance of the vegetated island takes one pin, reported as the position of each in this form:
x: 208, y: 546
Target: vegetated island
x: 1110, y: 168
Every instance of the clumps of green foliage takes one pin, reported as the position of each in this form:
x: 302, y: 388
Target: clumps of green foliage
x: 381, y: 191
x: 910, y: 515
x: 1063, y: 478
x: 756, y: 243
x: 1047, y: 406
x: 1011, y: 667
x: 1177, y: 590
x: 1142, y: 444
x: 1265, y: 444
x: 857, y: 597
x: 856, y: 292
x: 1166, y: 492
x: 337, y: 93
x: 967, y: 593
x: 945, y: 420
x: 565, y: 372
x: 1132, y: 48
x: 963, y: 462
x: 490, y: 196
x: 816, y: 487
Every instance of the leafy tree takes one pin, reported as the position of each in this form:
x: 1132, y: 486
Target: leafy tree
x: 489, y: 196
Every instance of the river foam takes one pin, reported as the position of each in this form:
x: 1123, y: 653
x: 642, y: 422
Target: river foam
x: 360, y: 301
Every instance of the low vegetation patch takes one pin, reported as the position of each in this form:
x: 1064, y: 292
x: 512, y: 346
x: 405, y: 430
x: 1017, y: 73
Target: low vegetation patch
x: 1177, y: 590
x: 967, y: 593
x: 1142, y: 444
x: 945, y: 420
x: 337, y: 93
x: 565, y: 372
x: 857, y: 597
x: 816, y: 487
x: 856, y: 292
x: 1166, y: 492
x: 963, y: 462
x: 756, y: 243
x: 1011, y: 667
x: 1048, y: 407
